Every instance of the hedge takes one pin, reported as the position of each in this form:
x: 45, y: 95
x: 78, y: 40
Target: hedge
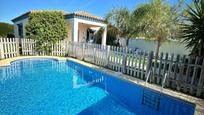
x: 46, y: 27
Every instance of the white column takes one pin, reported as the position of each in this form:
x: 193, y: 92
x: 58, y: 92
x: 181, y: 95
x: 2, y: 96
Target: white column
x: 75, y: 31
x: 104, y: 36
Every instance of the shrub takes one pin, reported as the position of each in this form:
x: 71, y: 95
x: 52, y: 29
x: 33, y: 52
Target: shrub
x: 6, y: 29
x: 46, y: 28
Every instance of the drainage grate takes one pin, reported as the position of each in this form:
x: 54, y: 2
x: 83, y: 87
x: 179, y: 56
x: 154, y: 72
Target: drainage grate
x: 151, y: 99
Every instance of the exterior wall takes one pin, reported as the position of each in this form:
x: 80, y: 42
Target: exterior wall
x: 76, y: 28
x: 70, y: 26
x: 24, y: 22
x: 166, y: 47
x: 82, y: 32
x: 90, y: 22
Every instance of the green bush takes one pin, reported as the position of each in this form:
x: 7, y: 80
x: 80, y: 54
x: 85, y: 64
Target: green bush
x: 6, y: 30
x: 112, y: 34
x: 46, y: 28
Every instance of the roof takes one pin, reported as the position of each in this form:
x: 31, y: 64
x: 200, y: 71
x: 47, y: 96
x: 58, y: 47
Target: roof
x: 86, y: 14
x: 66, y: 14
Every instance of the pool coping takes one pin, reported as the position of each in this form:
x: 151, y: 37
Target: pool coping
x: 199, y: 103
x: 7, y: 62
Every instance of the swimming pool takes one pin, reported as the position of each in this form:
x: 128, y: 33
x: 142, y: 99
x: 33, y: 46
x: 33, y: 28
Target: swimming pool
x: 48, y: 86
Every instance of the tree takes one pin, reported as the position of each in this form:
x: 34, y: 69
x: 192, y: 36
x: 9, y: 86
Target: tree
x: 192, y: 31
x: 46, y: 28
x: 112, y: 33
x: 6, y: 30
x: 154, y: 20
x: 121, y: 19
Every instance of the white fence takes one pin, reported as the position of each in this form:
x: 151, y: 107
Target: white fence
x: 60, y: 48
x: 28, y: 47
x: 184, y: 73
x: 9, y: 47
x: 12, y: 47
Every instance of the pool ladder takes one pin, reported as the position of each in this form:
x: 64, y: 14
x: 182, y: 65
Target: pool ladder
x: 150, y: 98
x: 163, y: 82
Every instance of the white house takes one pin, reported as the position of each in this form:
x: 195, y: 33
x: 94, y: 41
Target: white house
x: 82, y: 26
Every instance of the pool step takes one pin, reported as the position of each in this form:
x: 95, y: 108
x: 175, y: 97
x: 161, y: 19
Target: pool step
x: 151, y: 99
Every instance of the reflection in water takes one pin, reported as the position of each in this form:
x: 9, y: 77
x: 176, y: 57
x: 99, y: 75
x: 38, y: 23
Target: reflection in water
x: 18, y: 68
x: 9, y: 72
x: 36, y: 86
x: 87, y: 77
x: 76, y: 84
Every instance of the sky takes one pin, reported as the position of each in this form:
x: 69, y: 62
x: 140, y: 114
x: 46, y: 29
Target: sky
x: 10, y: 9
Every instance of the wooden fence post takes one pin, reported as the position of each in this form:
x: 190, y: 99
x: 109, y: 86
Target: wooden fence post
x: 195, y: 71
x: 71, y: 49
x: 94, y: 55
x: 74, y: 50
x: 160, y: 68
x: 175, y: 76
x: 165, y: 69
x: 124, y: 61
x: 149, y: 63
x: 17, y: 46
x: 66, y: 48
x: 107, y: 56
x: 1, y: 49
x: 83, y: 50
x: 201, y: 80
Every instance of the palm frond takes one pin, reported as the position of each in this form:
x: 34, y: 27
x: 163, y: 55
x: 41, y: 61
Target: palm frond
x: 193, y: 30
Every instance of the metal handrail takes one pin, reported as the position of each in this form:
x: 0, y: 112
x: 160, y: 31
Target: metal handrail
x: 148, y: 76
x: 163, y: 82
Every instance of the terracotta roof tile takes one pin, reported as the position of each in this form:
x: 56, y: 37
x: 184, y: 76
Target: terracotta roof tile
x: 79, y: 13
x: 82, y: 13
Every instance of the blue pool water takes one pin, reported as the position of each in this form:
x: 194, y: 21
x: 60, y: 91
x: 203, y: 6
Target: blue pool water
x: 46, y: 86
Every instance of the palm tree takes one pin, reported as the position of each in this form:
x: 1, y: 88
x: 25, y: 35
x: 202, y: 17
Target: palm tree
x: 155, y: 20
x: 192, y: 31
x: 121, y: 19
